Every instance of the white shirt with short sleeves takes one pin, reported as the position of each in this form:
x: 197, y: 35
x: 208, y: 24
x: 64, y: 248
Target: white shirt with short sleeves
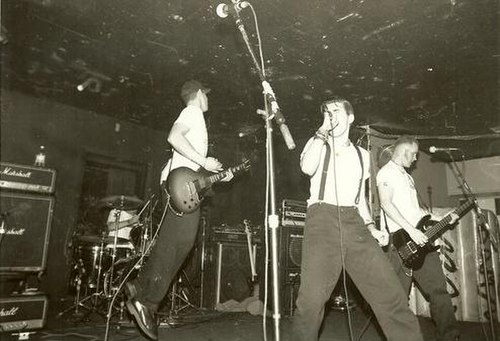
x: 191, y: 117
x: 348, y: 173
x: 404, y: 197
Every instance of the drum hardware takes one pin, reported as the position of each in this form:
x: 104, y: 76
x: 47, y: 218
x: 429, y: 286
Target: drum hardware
x: 103, y: 263
x: 178, y: 300
x: 86, y: 276
x: 146, y: 229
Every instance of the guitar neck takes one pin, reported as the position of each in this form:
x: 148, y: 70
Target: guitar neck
x: 219, y: 176
x: 433, y: 231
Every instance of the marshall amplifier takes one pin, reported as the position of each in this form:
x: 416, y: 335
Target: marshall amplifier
x: 293, y: 212
x: 27, y: 178
x: 23, y: 313
x: 25, y: 221
x: 225, y: 233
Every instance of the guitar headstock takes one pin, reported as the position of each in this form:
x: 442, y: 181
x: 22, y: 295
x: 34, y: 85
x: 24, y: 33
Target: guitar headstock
x: 246, y: 223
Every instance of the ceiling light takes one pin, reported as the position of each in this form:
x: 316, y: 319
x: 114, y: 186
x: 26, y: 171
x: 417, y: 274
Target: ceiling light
x: 92, y: 83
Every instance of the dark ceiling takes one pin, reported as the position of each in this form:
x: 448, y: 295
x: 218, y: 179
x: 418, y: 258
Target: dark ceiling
x: 421, y: 66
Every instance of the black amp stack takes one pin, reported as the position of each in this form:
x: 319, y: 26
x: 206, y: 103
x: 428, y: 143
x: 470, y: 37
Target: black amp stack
x: 230, y: 273
x: 293, y: 216
x: 26, y: 208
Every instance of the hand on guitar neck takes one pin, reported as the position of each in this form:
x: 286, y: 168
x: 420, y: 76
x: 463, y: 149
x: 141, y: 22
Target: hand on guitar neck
x: 419, y: 236
x: 213, y: 165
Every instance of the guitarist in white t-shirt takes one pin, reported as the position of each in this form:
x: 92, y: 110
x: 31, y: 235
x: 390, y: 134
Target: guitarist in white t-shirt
x: 189, y: 140
x: 401, y: 212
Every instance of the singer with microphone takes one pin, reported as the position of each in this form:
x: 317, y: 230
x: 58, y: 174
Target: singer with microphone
x: 401, y: 210
x: 340, y: 234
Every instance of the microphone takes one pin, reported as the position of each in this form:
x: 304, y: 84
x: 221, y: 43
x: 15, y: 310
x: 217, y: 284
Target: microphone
x: 433, y: 149
x: 280, y: 119
x: 223, y: 10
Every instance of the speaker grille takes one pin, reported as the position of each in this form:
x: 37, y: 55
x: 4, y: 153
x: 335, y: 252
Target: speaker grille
x: 27, y: 220
x: 295, y: 250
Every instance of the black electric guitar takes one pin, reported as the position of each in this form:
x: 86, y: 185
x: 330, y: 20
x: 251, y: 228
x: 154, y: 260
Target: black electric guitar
x: 410, y: 252
x: 187, y: 187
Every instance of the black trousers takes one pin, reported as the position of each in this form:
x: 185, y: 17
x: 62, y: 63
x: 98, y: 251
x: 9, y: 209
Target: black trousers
x: 176, y: 238
x: 432, y: 282
x: 365, y: 263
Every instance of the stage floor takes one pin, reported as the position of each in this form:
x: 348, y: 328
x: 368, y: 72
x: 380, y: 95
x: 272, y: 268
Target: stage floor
x: 228, y: 326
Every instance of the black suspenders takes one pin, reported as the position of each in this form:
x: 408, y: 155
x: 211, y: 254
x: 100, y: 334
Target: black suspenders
x: 326, y: 164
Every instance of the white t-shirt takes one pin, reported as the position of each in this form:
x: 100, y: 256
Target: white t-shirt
x: 191, y: 117
x: 123, y: 232
x: 348, y: 173
x: 404, y: 194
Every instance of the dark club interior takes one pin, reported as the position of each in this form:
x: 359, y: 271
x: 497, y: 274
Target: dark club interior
x: 95, y: 101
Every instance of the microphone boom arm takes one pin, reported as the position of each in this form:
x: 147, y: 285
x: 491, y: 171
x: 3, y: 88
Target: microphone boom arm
x: 267, y: 90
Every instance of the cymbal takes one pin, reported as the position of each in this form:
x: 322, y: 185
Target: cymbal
x: 122, y: 202
x: 98, y: 239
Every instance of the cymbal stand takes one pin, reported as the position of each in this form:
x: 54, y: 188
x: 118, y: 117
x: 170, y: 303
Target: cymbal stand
x: 202, y: 261
x: 93, y: 296
x: 147, y: 228
x: 118, y: 212
x: 178, y: 295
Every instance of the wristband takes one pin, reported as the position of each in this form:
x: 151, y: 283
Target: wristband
x: 320, y: 136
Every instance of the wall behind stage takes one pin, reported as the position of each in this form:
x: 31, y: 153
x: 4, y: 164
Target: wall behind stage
x: 68, y: 134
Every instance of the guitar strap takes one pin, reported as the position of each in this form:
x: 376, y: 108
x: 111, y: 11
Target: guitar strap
x: 326, y: 164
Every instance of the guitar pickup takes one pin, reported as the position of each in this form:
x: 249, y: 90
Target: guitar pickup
x: 193, y: 191
x: 412, y: 247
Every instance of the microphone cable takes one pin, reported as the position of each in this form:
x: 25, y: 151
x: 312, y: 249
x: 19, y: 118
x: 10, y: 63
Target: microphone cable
x: 340, y: 228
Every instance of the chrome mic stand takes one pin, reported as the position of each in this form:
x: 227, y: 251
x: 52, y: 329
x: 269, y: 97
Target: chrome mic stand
x: 202, y: 261
x: 272, y: 111
x: 482, y: 223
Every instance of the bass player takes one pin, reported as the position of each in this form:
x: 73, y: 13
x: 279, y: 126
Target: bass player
x: 401, y: 210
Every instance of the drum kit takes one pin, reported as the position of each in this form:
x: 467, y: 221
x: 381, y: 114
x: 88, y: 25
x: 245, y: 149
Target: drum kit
x: 103, y: 262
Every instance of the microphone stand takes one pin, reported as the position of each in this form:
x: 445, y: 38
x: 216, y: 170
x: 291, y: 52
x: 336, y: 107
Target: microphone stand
x: 481, y: 223
x: 273, y: 218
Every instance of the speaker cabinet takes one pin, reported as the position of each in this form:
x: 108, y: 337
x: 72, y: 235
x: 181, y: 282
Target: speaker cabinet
x: 26, y: 220
x: 290, y: 257
x: 229, y: 273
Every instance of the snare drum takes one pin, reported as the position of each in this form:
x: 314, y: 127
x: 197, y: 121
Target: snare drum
x: 123, y: 250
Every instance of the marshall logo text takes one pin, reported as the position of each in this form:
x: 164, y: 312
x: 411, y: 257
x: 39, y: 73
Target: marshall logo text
x: 10, y: 312
x: 17, y: 173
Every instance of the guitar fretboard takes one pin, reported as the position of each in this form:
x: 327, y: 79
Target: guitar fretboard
x: 435, y: 229
x: 219, y: 176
